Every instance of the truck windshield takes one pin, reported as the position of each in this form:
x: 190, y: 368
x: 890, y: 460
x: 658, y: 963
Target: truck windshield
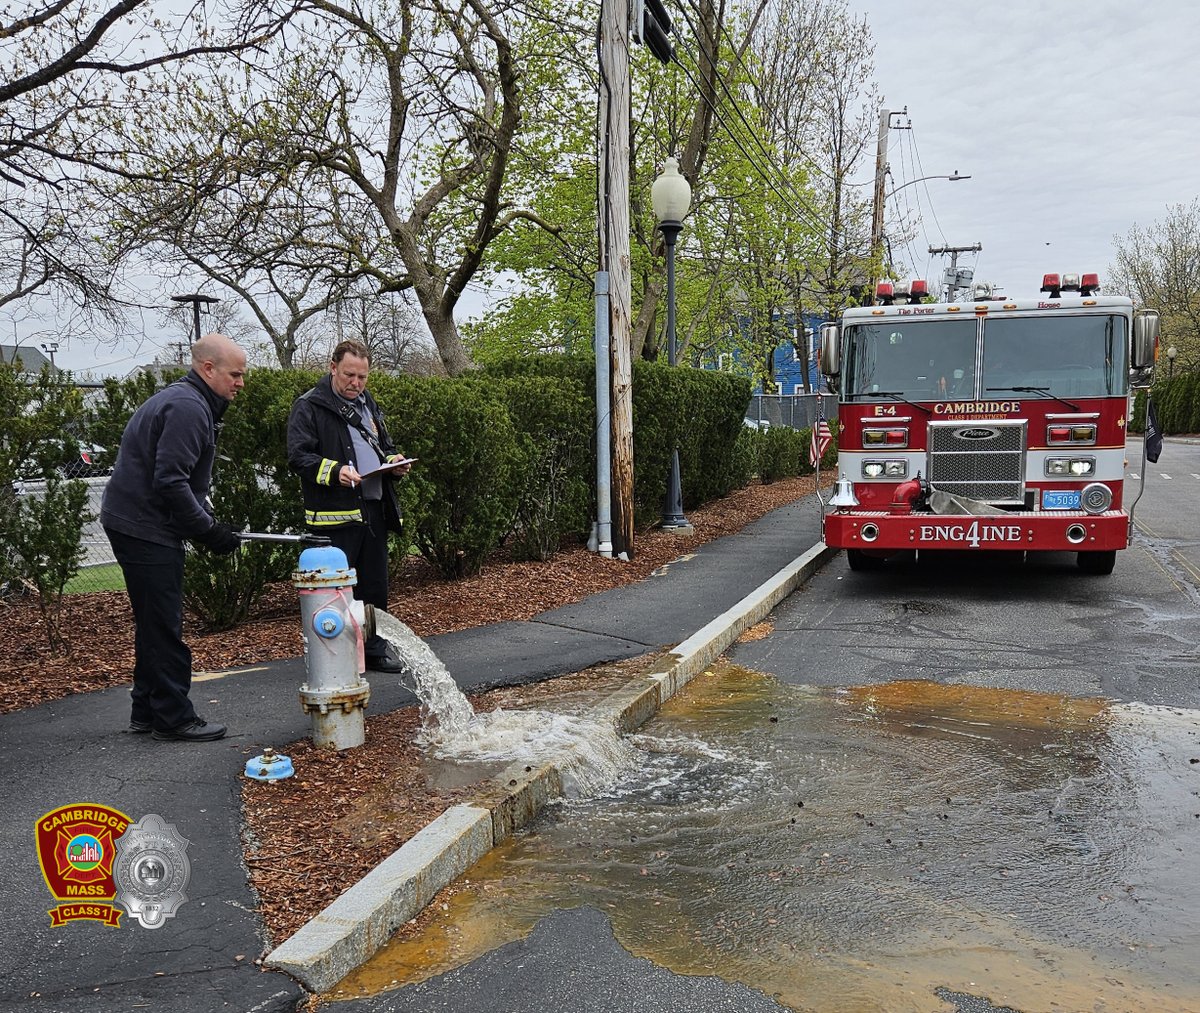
x: 914, y: 359
x: 1064, y: 356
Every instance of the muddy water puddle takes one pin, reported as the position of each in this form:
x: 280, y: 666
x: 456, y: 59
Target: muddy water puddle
x: 856, y: 850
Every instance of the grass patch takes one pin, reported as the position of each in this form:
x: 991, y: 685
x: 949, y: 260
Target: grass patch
x: 96, y: 578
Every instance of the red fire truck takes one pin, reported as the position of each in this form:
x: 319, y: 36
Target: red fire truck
x: 992, y: 424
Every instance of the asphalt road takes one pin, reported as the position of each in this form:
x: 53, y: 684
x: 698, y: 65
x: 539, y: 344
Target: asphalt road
x: 1040, y: 627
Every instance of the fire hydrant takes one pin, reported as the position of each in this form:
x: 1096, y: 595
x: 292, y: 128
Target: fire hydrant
x: 333, y: 624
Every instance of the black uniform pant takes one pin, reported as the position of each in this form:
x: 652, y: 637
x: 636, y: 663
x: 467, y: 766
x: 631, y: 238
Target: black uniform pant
x: 366, y: 549
x: 162, y: 668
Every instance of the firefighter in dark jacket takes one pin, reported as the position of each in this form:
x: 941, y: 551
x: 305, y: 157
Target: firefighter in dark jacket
x: 157, y: 497
x: 336, y: 434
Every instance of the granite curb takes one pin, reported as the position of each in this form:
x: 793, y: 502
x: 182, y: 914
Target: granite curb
x: 355, y: 925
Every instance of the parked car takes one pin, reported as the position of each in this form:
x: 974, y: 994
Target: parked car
x: 762, y: 425
x: 87, y: 463
x: 72, y: 460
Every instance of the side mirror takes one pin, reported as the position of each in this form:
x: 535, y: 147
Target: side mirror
x: 830, y: 350
x: 1145, y: 339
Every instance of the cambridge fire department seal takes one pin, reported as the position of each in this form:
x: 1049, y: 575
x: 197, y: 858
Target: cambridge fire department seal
x: 76, y: 847
x: 151, y: 871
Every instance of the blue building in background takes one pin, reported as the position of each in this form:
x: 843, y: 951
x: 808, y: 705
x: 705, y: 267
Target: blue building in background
x: 788, y: 367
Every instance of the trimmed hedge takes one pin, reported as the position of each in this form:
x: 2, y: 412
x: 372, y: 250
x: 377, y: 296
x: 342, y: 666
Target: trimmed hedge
x: 506, y: 456
x: 1177, y: 404
x: 700, y: 411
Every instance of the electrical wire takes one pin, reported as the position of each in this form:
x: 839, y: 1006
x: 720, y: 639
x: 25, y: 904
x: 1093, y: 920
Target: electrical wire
x: 808, y: 213
x: 734, y: 50
x: 813, y: 215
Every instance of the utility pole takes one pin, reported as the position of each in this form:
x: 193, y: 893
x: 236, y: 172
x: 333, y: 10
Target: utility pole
x: 881, y: 171
x: 952, y: 275
x: 613, y: 121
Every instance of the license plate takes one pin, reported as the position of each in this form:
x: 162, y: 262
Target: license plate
x: 1060, y: 499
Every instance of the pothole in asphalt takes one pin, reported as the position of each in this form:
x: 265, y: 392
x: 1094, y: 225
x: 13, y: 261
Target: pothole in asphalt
x: 848, y: 850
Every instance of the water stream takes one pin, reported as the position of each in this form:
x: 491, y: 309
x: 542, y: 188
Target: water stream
x: 591, y: 755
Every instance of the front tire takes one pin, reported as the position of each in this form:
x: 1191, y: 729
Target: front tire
x: 1098, y: 563
x: 860, y: 562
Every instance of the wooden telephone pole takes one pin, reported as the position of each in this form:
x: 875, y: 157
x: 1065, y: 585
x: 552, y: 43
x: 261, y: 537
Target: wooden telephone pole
x: 613, y: 116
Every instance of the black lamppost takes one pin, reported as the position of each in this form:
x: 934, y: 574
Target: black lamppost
x: 50, y: 348
x: 196, y: 299
x: 1172, y: 351
x: 671, y: 196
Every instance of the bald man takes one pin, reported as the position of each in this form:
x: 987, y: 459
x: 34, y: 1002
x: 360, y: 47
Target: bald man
x: 155, y: 499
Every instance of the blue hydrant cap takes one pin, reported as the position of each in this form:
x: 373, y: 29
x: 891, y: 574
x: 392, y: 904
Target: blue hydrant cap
x: 323, y: 557
x: 270, y: 766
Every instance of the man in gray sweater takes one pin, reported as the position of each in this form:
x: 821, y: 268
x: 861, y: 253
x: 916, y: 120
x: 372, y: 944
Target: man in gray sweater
x: 155, y: 499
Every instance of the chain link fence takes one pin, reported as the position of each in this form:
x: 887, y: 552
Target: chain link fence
x: 796, y: 411
x: 98, y: 569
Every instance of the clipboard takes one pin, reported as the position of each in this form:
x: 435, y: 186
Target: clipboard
x: 387, y: 467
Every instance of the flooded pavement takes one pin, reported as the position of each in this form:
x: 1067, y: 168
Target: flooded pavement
x: 872, y: 849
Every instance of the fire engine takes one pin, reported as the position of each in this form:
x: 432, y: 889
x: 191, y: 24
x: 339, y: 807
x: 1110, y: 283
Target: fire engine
x: 991, y: 424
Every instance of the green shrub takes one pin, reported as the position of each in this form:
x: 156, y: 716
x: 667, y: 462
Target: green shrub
x: 782, y: 453
x: 43, y: 532
x: 700, y: 411
x: 743, y: 461
x: 253, y: 490
x: 47, y: 549
x: 461, y: 497
x: 552, y: 418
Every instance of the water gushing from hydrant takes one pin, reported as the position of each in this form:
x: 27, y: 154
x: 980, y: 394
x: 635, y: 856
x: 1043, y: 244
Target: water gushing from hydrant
x: 444, y: 708
x: 590, y: 754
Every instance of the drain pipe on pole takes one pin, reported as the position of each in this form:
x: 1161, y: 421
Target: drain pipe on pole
x: 602, y: 536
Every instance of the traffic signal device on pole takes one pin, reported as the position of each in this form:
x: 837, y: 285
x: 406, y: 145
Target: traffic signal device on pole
x: 652, y: 28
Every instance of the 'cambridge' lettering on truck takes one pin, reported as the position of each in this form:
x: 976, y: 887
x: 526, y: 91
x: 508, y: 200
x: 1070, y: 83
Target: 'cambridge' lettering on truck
x: 995, y: 424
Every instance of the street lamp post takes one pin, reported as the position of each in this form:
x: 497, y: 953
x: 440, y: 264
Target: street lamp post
x: 196, y: 299
x: 50, y: 348
x: 671, y: 196
x: 1172, y: 351
x: 881, y: 199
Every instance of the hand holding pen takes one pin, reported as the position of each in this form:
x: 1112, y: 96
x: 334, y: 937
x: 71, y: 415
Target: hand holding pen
x: 348, y: 475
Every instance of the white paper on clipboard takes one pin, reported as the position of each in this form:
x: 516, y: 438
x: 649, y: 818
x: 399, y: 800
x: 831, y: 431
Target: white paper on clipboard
x: 386, y: 467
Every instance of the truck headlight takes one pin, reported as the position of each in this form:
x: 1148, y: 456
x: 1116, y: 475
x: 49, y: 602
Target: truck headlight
x: 1071, y: 467
x: 885, y: 469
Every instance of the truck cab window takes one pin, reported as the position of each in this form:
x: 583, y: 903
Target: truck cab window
x: 1067, y: 356
x: 919, y: 360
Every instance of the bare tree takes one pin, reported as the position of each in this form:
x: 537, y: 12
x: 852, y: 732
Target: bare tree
x: 1158, y: 266
x: 72, y: 73
x: 412, y: 109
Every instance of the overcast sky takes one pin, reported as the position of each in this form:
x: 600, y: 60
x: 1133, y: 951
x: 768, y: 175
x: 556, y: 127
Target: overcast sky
x: 1075, y: 122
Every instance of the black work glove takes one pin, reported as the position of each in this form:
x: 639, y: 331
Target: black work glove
x: 221, y: 539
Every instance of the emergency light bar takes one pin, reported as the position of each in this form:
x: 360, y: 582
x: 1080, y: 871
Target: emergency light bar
x: 888, y: 292
x: 1056, y: 285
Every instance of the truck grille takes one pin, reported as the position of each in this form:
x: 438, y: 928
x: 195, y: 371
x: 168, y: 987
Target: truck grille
x: 983, y: 460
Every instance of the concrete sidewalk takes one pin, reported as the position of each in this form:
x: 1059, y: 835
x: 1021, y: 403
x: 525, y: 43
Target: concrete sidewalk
x: 76, y: 750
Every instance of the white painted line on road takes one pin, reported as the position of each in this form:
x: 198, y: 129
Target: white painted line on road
x: 1133, y: 474
x: 1195, y: 476
x: 1165, y: 475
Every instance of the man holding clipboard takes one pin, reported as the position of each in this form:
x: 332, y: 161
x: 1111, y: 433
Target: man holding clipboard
x: 339, y: 446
